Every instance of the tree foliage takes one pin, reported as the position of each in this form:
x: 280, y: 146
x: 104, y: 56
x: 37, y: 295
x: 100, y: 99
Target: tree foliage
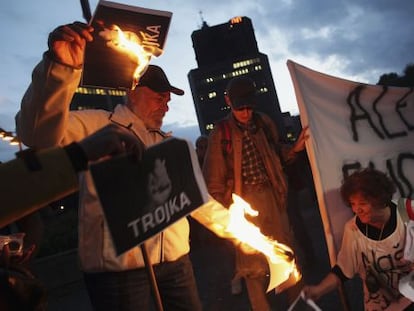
x: 393, y: 79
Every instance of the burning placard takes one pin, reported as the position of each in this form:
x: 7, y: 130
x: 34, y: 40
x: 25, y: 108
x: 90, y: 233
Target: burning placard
x: 125, y: 39
x: 232, y: 224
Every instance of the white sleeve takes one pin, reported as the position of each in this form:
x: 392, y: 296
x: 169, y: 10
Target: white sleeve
x: 347, y: 256
x: 409, y: 241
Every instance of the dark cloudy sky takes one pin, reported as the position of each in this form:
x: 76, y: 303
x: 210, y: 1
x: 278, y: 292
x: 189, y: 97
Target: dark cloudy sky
x: 355, y: 40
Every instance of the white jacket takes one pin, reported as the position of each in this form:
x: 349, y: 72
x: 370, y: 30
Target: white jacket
x: 45, y: 120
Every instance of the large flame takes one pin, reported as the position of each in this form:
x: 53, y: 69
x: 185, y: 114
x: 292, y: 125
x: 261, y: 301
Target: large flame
x: 231, y: 223
x: 130, y: 43
x: 250, y: 234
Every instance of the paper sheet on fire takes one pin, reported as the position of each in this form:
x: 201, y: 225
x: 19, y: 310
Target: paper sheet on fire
x: 125, y: 39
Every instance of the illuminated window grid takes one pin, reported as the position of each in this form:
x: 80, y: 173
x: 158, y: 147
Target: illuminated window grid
x: 99, y: 91
x: 240, y: 69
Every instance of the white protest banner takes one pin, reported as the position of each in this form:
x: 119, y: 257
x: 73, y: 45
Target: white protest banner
x: 353, y: 125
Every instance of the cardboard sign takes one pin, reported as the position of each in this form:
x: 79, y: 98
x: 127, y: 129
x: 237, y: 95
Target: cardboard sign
x: 110, y: 61
x: 142, y: 198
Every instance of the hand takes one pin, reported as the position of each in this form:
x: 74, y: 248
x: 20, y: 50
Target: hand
x: 7, y: 259
x: 300, y: 142
x: 110, y: 140
x: 67, y: 43
x: 310, y: 292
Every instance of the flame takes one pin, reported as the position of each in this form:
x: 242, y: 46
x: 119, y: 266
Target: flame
x: 250, y: 234
x: 232, y: 224
x: 280, y: 255
x: 129, y: 43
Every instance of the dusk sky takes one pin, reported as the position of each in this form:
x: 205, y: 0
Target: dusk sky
x: 355, y: 40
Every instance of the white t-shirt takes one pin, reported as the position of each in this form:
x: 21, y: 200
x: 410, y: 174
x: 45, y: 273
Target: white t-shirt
x: 358, y: 253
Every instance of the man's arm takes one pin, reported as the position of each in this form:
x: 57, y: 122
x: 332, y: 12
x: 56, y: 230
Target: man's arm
x: 291, y: 152
x: 37, y: 178
x: 43, y: 118
x: 215, y: 170
x: 286, y: 152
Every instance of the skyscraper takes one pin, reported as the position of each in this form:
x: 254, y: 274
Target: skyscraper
x: 222, y: 52
x: 96, y: 98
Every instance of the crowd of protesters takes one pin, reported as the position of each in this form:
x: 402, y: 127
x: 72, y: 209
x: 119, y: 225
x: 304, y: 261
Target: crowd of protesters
x: 243, y: 154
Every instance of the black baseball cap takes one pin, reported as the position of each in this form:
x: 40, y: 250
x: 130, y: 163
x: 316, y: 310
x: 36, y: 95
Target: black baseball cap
x: 242, y: 92
x: 156, y: 79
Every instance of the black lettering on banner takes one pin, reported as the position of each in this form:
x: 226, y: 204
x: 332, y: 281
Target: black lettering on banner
x: 402, y: 103
x: 349, y: 168
x: 359, y: 113
x: 402, y: 157
x: 381, y: 119
x: 394, y: 178
x: 401, y: 180
x: 395, y: 169
x: 354, y: 97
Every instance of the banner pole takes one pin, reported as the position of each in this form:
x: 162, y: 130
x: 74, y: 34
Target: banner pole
x: 344, y: 299
x: 86, y: 10
x: 151, y: 277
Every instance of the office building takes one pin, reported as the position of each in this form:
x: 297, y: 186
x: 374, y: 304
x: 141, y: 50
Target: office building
x: 222, y: 52
x: 96, y: 98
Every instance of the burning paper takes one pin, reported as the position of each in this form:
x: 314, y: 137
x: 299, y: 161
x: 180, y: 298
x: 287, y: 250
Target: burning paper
x: 125, y: 39
x: 129, y: 43
x: 231, y: 224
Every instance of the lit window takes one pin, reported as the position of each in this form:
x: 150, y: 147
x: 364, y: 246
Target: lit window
x: 246, y: 63
x: 212, y: 95
x: 236, y: 20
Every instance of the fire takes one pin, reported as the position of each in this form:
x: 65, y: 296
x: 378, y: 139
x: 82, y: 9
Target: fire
x: 130, y: 43
x: 250, y: 234
x: 231, y: 223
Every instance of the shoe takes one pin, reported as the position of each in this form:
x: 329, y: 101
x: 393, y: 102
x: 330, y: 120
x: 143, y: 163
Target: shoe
x: 236, y: 286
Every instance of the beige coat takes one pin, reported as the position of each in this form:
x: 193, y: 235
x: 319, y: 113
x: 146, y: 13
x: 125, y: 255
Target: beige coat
x: 45, y: 120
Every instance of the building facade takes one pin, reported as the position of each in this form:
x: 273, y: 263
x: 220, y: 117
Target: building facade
x: 96, y: 98
x: 223, y: 52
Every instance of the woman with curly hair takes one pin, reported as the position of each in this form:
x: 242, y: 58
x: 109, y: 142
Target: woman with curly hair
x: 372, y: 244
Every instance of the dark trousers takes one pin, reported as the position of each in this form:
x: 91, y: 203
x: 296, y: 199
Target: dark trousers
x: 130, y: 290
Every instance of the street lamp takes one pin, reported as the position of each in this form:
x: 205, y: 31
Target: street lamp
x: 8, y: 136
x: 13, y: 140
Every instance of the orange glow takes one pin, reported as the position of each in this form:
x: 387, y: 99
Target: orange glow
x: 128, y: 42
x: 236, y: 20
x: 250, y: 234
x: 231, y: 224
